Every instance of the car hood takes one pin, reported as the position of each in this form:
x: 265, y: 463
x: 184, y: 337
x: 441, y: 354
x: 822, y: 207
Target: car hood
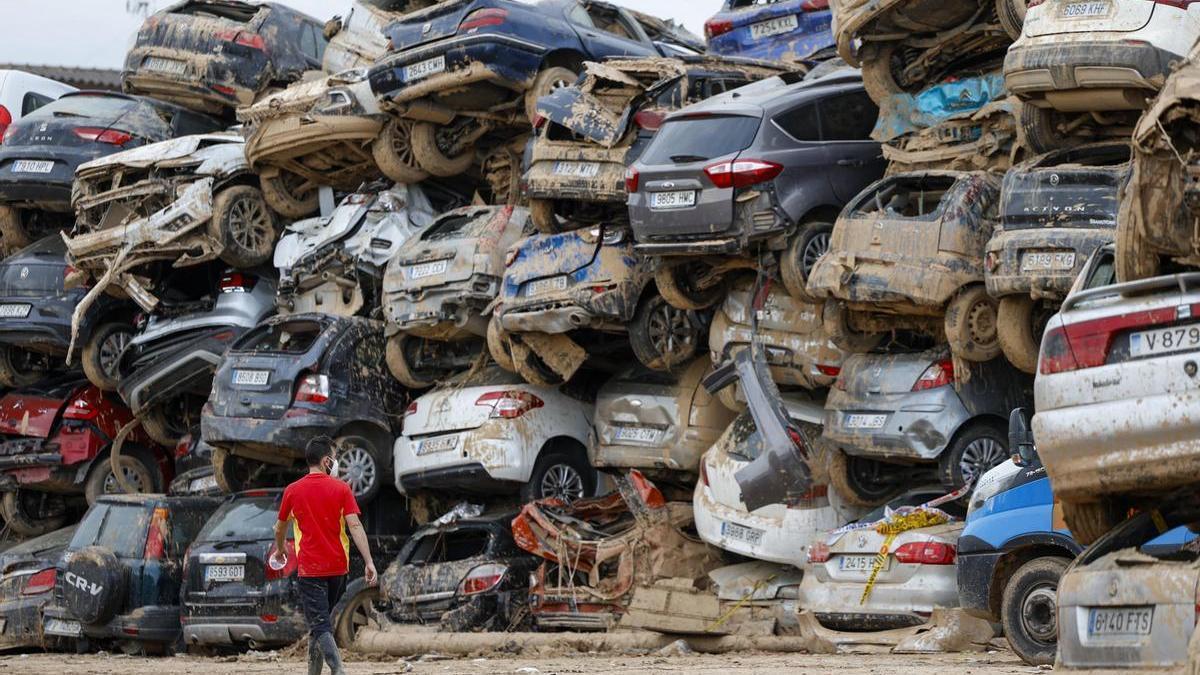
x: 213, y: 154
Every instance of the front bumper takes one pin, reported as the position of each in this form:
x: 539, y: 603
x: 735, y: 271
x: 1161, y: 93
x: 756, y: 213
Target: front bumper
x: 919, y: 425
x: 503, y: 60
x: 975, y: 574
x: 290, y: 433
x: 1058, y: 63
x: 1007, y: 249
x: 491, y: 457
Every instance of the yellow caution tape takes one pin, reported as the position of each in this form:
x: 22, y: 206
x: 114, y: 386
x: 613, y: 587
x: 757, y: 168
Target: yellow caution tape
x: 893, y: 526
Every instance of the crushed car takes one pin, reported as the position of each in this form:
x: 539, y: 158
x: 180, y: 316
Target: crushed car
x: 780, y: 30
x: 356, y: 40
x: 27, y: 577
x: 194, y: 474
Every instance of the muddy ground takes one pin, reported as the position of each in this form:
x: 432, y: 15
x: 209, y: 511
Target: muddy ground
x: 991, y: 663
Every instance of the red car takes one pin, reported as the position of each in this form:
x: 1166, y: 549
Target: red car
x: 55, y: 438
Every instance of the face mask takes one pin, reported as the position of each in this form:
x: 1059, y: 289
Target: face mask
x: 333, y: 467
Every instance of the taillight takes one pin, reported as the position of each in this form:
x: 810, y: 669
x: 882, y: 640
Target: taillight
x: 313, y: 389
x: 742, y: 173
x: 539, y: 121
x: 238, y: 37
x: 926, y: 553
x: 632, y: 179
x: 829, y: 371
x: 411, y: 409
x: 818, y: 552
x: 482, y: 579
x: 937, y: 375
x: 156, y: 536
x: 716, y: 27
x: 814, y: 5
x: 224, y: 90
x: 288, y: 569
x: 108, y: 136
x: 704, y: 473
x: 237, y: 282
x: 650, y: 121
x: 85, y: 406
x: 797, y: 439
x: 480, y: 18
x: 41, y: 582
x: 991, y: 261
x: 1085, y: 344
x: 1056, y: 354
x: 509, y: 404
x: 183, y: 447
x: 5, y: 121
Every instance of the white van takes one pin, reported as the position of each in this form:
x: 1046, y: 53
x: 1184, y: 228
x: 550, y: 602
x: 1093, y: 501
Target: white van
x: 21, y: 93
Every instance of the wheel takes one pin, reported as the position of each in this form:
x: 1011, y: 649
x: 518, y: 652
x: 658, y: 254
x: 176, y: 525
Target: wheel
x: 541, y: 212
x: 802, y: 253
x: 1133, y: 259
x: 835, y: 318
x: 499, y: 346
x: 971, y: 325
x: 663, y: 337
x: 102, y: 352
x: 1088, y: 521
x: 1012, y: 19
x: 1042, y: 130
x: 101, y: 480
x: 859, y: 480
x: 234, y: 473
x: 1020, y: 322
x: 353, y: 611
x: 32, y: 514
x: 243, y: 224
x: 1029, y: 609
x: 561, y: 475
x: 21, y: 367
x: 678, y: 284
x: 974, y: 451
x: 13, y: 234
x: 393, y: 153
x: 877, y: 75
x: 728, y: 398
x: 168, y: 422
x: 290, y: 195
x: 403, y: 355
x: 546, y: 83
x: 428, y: 139
x: 531, y: 367
x: 360, y: 466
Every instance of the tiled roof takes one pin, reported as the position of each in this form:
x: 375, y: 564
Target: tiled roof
x: 82, y: 78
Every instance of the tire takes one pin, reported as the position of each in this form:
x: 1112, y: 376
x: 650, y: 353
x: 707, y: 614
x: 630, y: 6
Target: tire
x: 1041, y: 130
x: 1088, y: 521
x: 531, y: 368
x: 431, y: 158
x: 546, y: 82
x: 1019, y: 324
x: 393, y: 153
x: 1133, y: 259
x: 102, y: 352
x: 1012, y: 19
x: 970, y: 323
x: 101, y: 481
x: 852, y: 478
x: 877, y: 72
x: 1029, y: 609
x: 499, y: 346
x: 284, y: 193
x: 97, y: 601
x: 676, y: 286
x: 541, y: 213
x: 558, y: 473
x: 352, y: 612
x: 232, y: 473
x: 664, y: 338
x: 32, y: 514
x: 802, y: 253
x: 399, y: 354
x: 728, y: 398
x: 13, y: 234
x: 361, y: 466
x: 835, y: 317
x: 243, y: 224
x: 21, y: 367
x: 975, y: 449
x: 159, y: 426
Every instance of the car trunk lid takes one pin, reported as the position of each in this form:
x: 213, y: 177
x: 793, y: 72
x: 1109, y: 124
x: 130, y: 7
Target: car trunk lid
x: 456, y: 408
x: 551, y: 256
x: 601, y: 109
x: 203, y: 27
x: 259, y: 376
x: 32, y: 415
x: 865, y: 376
x: 32, y: 279
x: 646, y: 410
x: 1091, y: 16
x: 447, y: 249
x: 427, y: 25
x: 1078, y: 191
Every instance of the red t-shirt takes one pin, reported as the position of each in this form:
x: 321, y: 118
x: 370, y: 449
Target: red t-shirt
x: 319, y: 505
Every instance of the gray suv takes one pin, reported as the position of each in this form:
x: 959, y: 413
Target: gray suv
x: 759, y: 171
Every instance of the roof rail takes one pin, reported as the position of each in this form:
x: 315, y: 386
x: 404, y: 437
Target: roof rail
x: 1181, y: 281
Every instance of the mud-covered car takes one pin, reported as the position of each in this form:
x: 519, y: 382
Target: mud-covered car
x: 439, y: 287
x: 35, y: 319
x: 356, y: 40
x: 335, y: 265
x: 463, y: 575
x: 588, y: 133
x: 296, y: 377
x: 1055, y: 211
x: 55, y: 448
x: 182, y: 202
x: 587, y: 279
x: 658, y: 423
x: 117, y: 584
x: 42, y: 150
x: 780, y: 30
x: 893, y: 416
x: 734, y: 181
x: 194, y: 475
x: 214, y: 55
x: 27, y: 576
x: 908, y: 254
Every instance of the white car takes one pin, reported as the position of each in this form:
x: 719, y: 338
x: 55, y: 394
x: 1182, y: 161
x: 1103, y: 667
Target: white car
x: 21, y: 93
x: 491, y: 432
x: 777, y: 532
x: 1075, y: 57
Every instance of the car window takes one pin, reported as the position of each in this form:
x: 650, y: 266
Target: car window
x: 610, y: 21
x: 848, y: 117
x: 914, y: 499
x: 291, y: 337
x: 1102, y: 273
x: 312, y: 45
x: 456, y: 227
x: 239, y: 12
x: 33, y: 101
x: 689, y: 139
x: 243, y: 519
x: 120, y: 528
x: 914, y: 196
x: 801, y: 123
x: 87, y: 105
x: 578, y: 15
x: 440, y: 547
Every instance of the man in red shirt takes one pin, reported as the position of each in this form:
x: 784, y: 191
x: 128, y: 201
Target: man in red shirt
x: 322, y: 508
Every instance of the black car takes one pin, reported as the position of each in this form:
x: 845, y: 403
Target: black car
x: 231, y: 596
x: 119, y: 580
x: 193, y: 468
x: 35, y: 320
x: 217, y: 55
x: 464, y: 575
x: 292, y: 378
x: 27, y: 576
x: 42, y: 150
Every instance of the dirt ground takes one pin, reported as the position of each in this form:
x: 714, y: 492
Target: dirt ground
x: 990, y: 663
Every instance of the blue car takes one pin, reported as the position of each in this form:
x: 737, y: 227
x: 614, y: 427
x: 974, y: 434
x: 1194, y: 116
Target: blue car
x: 779, y: 30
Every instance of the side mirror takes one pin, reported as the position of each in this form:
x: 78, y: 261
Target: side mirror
x: 1020, y: 438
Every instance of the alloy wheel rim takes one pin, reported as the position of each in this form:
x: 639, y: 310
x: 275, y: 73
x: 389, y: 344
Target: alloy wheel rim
x: 111, y: 349
x: 356, y: 467
x: 670, y: 330
x: 1039, y: 614
x: 402, y: 143
x: 249, y: 224
x: 979, y: 456
x: 113, y: 487
x: 817, y: 247
x: 563, y: 482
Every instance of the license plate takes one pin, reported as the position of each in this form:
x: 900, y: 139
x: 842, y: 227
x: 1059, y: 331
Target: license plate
x: 424, y: 69
x: 1165, y: 340
x: 14, y: 311
x: 60, y: 627
x: 749, y: 535
x: 224, y: 572
x: 640, y: 434
x: 1085, y: 10
x: 543, y: 286
x: 856, y: 563
x: 678, y: 199
x: 33, y: 166
x: 1048, y: 261
x: 432, y: 445
x: 168, y: 66
x: 865, y: 421
x: 254, y: 378
x: 778, y: 26
x: 428, y: 269
x: 203, y: 484
x: 577, y: 169
x: 1120, y: 621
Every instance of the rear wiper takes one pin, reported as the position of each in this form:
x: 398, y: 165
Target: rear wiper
x: 63, y: 113
x: 679, y: 159
x: 226, y: 543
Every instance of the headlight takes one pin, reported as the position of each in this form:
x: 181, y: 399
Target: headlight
x: 991, y: 484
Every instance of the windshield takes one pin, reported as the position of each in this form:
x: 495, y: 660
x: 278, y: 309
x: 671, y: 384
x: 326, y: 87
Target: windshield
x: 457, y: 227
x: 696, y: 139
x: 243, y: 519
x: 121, y: 528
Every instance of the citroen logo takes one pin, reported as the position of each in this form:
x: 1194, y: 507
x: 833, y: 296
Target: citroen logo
x: 1054, y: 179
x: 24, y: 272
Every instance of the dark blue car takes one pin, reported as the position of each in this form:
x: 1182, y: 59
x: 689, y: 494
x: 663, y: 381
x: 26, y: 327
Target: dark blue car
x: 776, y: 30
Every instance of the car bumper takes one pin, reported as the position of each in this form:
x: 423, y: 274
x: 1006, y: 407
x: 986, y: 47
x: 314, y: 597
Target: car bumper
x: 21, y: 621
x: 200, y: 481
x: 194, y: 87
x: 719, y: 246
x: 877, y: 283
x: 683, y: 455
x: 153, y: 623
x: 785, y: 538
x: 493, y: 456
x: 1007, y: 249
x: 443, y: 310
x: 888, y: 606
x: 975, y: 573
x: 580, y: 307
x: 237, y: 629
x: 919, y: 425
x: 292, y: 432
x: 185, y: 368
x: 793, y: 357
x: 49, y: 190
x: 608, y: 185
x: 1056, y: 63
x: 506, y: 61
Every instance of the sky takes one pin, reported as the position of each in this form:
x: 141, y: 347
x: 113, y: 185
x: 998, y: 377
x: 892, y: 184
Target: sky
x: 96, y: 33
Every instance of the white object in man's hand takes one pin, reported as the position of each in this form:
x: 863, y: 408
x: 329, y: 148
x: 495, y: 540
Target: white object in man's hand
x: 277, y: 561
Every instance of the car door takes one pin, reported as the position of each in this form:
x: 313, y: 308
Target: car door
x: 605, y: 31
x: 856, y: 160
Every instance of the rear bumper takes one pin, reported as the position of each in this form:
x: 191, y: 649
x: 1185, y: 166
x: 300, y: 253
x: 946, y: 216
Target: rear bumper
x: 578, y: 308
x: 1055, y: 63
x: 188, y: 367
x: 919, y: 425
x: 721, y: 246
x: 506, y: 61
x: 234, y: 629
x: 783, y: 540
x: 287, y: 432
x: 22, y: 621
x: 681, y: 456
x: 193, y: 88
x: 197, y: 482
x: 975, y: 573
x: 793, y: 357
x: 50, y: 190
x: 152, y: 623
x: 471, y: 478
x: 608, y: 185
x: 439, y: 308
x: 927, y: 283
x: 905, y: 604
x: 1007, y: 248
